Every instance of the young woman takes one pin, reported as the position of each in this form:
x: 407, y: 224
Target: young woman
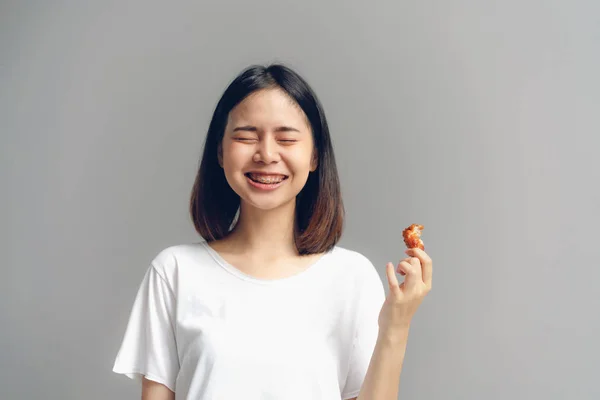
x: 267, y: 305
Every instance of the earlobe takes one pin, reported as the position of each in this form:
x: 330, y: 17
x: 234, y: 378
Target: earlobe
x: 314, y: 163
x: 220, y: 155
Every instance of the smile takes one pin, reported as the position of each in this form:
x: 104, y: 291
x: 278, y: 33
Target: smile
x: 266, y: 179
x: 265, y: 182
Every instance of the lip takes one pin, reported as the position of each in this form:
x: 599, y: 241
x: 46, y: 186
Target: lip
x: 266, y: 173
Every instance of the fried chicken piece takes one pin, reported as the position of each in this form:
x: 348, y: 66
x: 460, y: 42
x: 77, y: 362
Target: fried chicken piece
x: 412, y: 237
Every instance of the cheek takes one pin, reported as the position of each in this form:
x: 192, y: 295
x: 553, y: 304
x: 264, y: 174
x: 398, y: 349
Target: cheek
x: 303, y: 160
x: 235, y: 156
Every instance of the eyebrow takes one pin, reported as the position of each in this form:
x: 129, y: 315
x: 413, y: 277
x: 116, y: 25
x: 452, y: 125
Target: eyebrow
x: 249, y: 128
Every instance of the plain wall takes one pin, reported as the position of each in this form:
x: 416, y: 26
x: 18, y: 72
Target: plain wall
x: 479, y: 120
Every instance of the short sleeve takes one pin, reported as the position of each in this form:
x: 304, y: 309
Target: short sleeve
x: 367, y: 329
x: 149, y: 348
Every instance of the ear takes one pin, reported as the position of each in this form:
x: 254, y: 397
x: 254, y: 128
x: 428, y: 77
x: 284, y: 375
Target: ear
x: 315, y: 161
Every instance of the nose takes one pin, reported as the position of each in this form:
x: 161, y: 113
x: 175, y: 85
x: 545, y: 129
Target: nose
x: 267, y: 151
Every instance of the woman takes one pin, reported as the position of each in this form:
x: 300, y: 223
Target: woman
x: 267, y: 306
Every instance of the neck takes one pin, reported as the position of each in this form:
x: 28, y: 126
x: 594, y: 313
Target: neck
x: 268, y: 234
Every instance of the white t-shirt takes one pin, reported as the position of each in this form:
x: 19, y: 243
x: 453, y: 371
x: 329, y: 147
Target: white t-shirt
x: 207, y: 330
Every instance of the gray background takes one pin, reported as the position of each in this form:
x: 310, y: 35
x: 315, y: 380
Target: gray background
x: 479, y: 120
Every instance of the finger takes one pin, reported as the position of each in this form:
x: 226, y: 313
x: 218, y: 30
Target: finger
x: 392, y: 279
x: 400, y: 271
x: 416, y: 263
x: 426, y: 264
x: 411, y: 280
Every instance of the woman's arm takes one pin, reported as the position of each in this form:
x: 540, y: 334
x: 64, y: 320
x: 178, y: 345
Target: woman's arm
x: 383, y: 375
x: 155, y: 391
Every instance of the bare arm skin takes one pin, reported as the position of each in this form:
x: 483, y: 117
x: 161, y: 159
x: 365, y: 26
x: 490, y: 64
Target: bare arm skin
x: 155, y: 391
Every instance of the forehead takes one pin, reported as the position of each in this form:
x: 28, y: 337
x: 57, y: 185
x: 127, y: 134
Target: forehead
x: 268, y: 106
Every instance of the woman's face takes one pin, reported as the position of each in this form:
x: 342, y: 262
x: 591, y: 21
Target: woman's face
x: 267, y: 150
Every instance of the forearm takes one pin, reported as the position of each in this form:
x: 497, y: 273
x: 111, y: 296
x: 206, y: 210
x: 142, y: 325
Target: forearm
x: 383, y: 375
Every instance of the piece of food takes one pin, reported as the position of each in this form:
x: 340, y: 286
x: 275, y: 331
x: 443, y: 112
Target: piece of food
x: 412, y: 237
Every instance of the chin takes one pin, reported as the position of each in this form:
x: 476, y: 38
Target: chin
x: 266, y: 205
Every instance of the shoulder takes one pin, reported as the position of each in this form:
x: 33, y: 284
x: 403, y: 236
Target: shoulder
x: 352, y: 259
x: 171, y: 260
x: 361, y: 281
x: 355, y: 264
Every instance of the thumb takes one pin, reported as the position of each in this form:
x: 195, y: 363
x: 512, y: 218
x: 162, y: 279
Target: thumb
x: 392, y: 279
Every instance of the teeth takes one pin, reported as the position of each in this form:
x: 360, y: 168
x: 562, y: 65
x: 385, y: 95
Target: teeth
x: 266, y: 179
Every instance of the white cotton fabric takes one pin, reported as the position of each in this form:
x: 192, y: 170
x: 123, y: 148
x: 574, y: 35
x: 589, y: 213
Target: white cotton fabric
x: 206, y: 330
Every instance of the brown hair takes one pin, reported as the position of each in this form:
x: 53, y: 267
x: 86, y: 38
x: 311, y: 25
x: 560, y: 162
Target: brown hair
x: 319, y: 206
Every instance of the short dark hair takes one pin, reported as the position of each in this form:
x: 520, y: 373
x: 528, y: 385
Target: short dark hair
x: 319, y: 206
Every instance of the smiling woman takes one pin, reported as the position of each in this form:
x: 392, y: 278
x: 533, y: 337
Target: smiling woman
x: 265, y: 153
x: 267, y: 305
x: 269, y: 121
